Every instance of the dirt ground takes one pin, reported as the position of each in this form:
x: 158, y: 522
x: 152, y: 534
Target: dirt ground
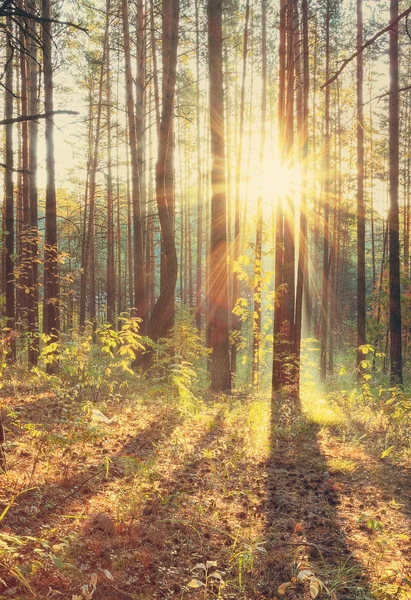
x: 149, y: 500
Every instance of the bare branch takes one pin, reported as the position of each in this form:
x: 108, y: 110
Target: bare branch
x: 368, y: 43
x: 4, y: 166
x: 45, y: 115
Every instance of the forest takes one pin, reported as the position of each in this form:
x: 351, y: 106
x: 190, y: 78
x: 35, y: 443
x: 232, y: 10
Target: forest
x: 205, y: 299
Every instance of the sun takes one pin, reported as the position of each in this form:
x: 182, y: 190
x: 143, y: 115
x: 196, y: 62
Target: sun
x: 280, y: 180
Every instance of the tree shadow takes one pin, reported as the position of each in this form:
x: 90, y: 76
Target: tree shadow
x: 304, y: 528
x: 154, y: 549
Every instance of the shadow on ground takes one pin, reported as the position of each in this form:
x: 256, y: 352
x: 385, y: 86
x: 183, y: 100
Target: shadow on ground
x: 304, y: 529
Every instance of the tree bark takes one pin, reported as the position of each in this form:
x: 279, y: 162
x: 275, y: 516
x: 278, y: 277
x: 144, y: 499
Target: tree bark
x: 218, y: 285
x: 394, y: 246
x: 302, y: 273
x: 111, y: 277
x: 259, y: 229
x: 326, y: 259
x: 361, y: 339
x: 33, y: 299
x: 51, y: 309
x: 139, y: 287
x: 162, y: 317
x: 9, y: 189
x: 236, y: 323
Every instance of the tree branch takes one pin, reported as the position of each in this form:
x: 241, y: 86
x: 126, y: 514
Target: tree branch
x: 368, y: 43
x: 4, y: 166
x: 45, y: 115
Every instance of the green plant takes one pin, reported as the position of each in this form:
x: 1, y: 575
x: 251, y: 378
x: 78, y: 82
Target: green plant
x: 210, y: 577
x: 92, y: 364
x: 245, y: 559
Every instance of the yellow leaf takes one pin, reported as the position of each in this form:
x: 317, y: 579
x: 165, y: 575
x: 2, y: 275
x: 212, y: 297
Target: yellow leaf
x: 283, y: 587
x: 314, y: 588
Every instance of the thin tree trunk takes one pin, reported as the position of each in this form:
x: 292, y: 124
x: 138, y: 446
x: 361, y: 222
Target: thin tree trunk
x: 236, y: 323
x: 139, y: 287
x: 279, y: 218
x: 51, y: 310
x: 361, y: 339
x: 33, y: 299
x: 25, y: 264
x: 259, y: 229
x: 88, y: 271
x: 302, y: 274
x: 394, y: 246
x: 9, y: 189
x: 289, y: 217
x: 326, y: 263
x: 111, y: 278
x: 199, y: 273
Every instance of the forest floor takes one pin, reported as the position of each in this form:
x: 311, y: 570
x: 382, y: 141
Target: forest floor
x: 155, y: 498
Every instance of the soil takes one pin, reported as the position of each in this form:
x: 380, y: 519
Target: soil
x: 130, y: 506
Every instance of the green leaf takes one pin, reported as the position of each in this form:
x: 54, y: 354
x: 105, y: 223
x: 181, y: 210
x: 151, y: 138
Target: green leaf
x: 57, y: 561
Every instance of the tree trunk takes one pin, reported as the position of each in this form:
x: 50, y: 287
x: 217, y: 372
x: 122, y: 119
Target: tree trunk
x: 199, y: 272
x: 33, y: 299
x: 279, y: 217
x: 394, y: 246
x: 162, y: 316
x: 326, y: 260
x: 51, y: 310
x: 236, y: 323
x: 361, y: 340
x: 218, y: 288
x: 111, y: 277
x: 259, y: 230
x: 139, y: 288
x: 302, y: 273
x: 9, y: 189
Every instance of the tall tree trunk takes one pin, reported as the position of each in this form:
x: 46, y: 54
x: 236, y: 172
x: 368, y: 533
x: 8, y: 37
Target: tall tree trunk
x: 140, y: 129
x: 139, y: 287
x: 289, y: 217
x: 33, y: 299
x: 162, y: 317
x: 51, y: 310
x: 199, y: 272
x: 218, y: 285
x: 259, y: 230
x: 25, y: 264
x: 326, y: 260
x: 279, y: 217
x: 236, y: 323
x: 111, y: 277
x: 394, y: 246
x: 9, y: 189
x: 88, y: 271
x: 361, y: 340
x: 302, y: 273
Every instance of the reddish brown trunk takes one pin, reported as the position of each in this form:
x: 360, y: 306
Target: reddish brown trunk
x: 218, y: 287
